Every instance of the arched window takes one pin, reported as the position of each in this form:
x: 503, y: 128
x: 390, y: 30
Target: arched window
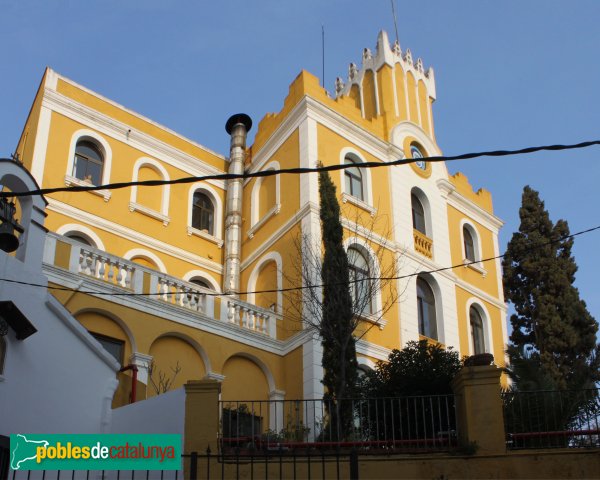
x: 476, y: 331
x: 203, y: 212
x: 80, y: 239
x: 360, y: 283
x: 354, y: 179
x: 426, y: 309
x: 418, y: 214
x: 201, y: 283
x: 88, y: 162
x: 469, y: 245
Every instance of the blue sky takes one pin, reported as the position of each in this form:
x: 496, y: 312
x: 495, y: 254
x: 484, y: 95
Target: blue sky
x: 509, y: 74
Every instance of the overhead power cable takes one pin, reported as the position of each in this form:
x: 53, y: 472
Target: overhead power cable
x: 302, y: 287
x: 297, y: 171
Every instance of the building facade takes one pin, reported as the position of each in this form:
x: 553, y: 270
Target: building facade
x: 185, y: 281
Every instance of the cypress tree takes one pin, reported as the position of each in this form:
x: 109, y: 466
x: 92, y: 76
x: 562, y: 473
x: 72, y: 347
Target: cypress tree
x: 337, y: 325
x: 551, y: 327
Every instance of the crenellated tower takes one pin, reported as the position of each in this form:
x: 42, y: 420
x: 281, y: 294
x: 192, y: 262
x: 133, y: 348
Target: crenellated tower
x: 390, y: 86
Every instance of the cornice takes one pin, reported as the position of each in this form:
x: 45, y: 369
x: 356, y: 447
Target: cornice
x: 466, y: 206
x: 140, y: 238
x: 124, y: 133
x: 377, y: 351
x: 171, y: 312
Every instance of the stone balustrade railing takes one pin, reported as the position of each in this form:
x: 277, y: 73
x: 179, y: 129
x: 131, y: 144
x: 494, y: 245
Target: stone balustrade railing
x: 423, y: 244
x: 130, y: 276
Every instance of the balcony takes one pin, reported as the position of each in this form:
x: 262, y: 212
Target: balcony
x: 423, y: 244
x: 65, y: 258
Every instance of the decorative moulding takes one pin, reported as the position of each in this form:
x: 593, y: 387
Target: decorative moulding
x: 475, y: 266
x: 69, y: 180
x: 205, y: 235
x: 274, y: 211
x: 136, y: 207
x: 346, y: 198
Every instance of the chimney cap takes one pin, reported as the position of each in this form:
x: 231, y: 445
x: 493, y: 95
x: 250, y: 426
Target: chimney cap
x: 238, y: 118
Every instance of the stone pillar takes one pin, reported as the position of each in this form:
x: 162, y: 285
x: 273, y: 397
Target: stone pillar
x: 276, y: 410
x: 142, y: 361
x: 201, y: 416
x: 479, y: 409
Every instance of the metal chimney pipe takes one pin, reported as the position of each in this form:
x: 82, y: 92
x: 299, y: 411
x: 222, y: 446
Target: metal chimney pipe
x: 238, y: 127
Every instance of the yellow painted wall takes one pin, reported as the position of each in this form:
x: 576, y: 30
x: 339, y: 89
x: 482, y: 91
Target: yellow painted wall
x: 26, y: 142
x: 369, y: 97
x: 495, y: 320
x: 267, y: 196
x: 244, y: 380
x: 150, y: 197
x: 170, y: 354
x: 138, y: 123
x: 487, y: 283
x: 267, y: 280
x: 412, y: 97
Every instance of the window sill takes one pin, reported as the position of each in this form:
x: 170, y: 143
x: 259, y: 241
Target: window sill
x: 205, y: 235
x: 149, y: 212
x: 346, y: 198
x: 69, y: 180
x: 431, y: 341
x: 475, y: 266
x: 271, y: 213
x: 374, y: 319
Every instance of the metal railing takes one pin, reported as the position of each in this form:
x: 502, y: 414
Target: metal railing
x: 420, y: 423
x: 552, y: 419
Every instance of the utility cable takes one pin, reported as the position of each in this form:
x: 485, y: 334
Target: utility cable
x: 297, y: 170
x: 304, y: 287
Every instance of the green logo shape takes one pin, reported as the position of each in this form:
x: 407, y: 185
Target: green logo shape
x: 95, y: 452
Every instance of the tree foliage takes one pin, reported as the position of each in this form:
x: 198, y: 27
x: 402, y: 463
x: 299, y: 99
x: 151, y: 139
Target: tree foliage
x: 337, y: 325
x: 420, y: 368
x: 553, y: 333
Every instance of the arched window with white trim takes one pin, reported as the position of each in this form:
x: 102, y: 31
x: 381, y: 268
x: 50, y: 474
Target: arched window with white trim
x: 468, y: 244
x: 203, y: 213
x: 477, y: 330
x: 418, y: 214
x: 88, y: 163
x: 353, y: 179
x: 361, y: 288
x: 151, y: 201
x: 426, y: 309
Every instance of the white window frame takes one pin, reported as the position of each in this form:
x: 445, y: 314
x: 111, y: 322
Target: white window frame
x: 255, y: 221
x: 439, y: 308
x: 420, y: 194
x: 478, y: 265
x: 142, y: 252
x: 217, y: 236
x: 82, y: 231
x: 204, y: 276
x: 485, y: 320
x: 367, y: 202
x: 269, y: 257
x: 375, y: 272
x: 134, y: 206
x: 105, y: 150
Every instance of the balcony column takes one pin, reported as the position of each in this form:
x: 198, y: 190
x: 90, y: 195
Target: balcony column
x: 276, y: 410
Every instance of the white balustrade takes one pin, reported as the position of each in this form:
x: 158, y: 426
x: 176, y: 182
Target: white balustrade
x: 248, y: 316
x: 89, y: 261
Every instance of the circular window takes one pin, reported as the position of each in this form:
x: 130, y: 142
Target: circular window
x: 416, y: 154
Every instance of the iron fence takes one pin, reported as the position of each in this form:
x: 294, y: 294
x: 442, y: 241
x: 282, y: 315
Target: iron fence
x: 420, y: 423
x: 552, y: 419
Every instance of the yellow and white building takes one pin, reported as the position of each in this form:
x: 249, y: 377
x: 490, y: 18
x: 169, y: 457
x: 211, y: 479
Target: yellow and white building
x: 210, y: 238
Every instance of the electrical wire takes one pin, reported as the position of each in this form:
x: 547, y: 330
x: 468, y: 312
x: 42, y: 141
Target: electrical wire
x: 303, y: 287
x: 298, y: 170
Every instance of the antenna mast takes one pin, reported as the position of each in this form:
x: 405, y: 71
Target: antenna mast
x: 395, y: 21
